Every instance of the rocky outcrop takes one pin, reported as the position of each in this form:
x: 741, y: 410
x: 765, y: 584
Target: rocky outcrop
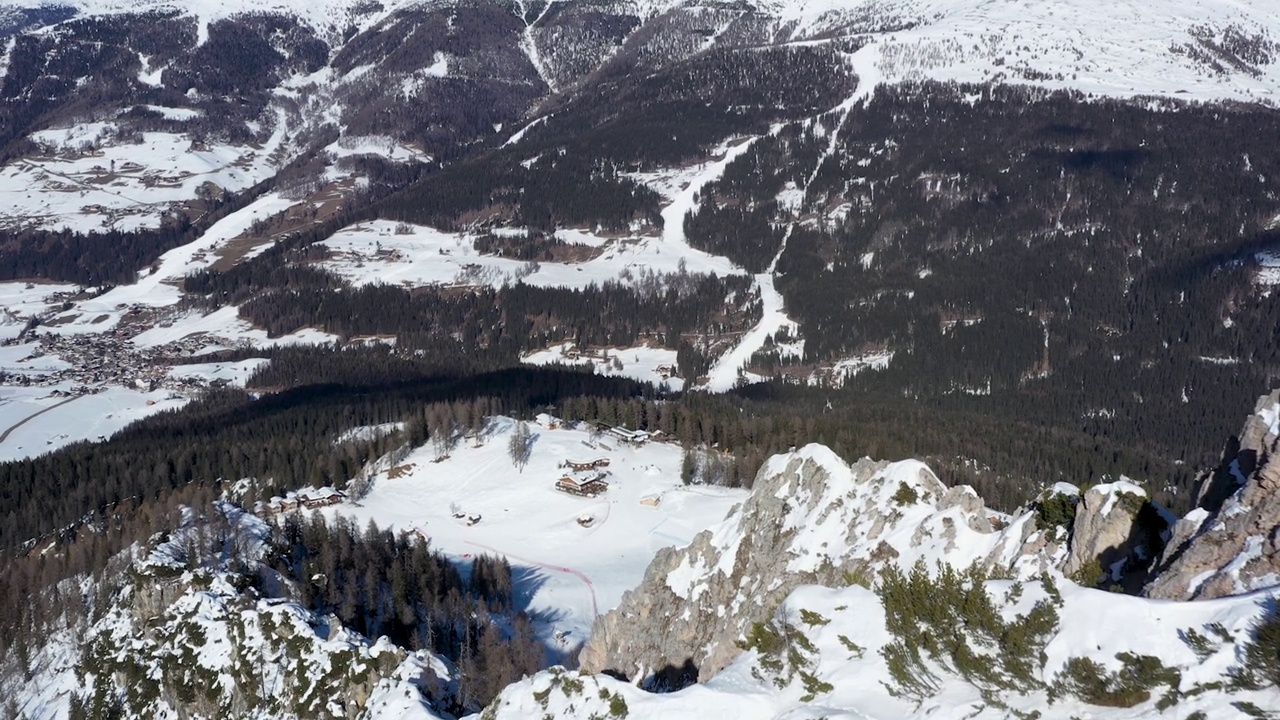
x: 811, y: 518
x: 1230, y: 542
x: 1115, y: 535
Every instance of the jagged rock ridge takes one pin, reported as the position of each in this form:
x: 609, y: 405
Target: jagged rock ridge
x: 1230, y: 543
x: 812, y: 519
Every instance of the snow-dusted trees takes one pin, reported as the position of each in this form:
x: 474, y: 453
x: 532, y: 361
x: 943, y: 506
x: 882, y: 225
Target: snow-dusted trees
x: 442, y: 429
x: 520, y: 445
x: 381, y: 583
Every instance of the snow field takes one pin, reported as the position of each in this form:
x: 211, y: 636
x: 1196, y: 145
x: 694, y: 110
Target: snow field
x: 639, y: 363
x: 34, y: 422
x: 89, y: 180
x: 565, y: 572
x: 413, y: 255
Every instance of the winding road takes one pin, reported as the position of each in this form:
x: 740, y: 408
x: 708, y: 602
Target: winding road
x: 5, y: 435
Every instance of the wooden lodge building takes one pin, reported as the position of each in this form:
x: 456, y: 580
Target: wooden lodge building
x: 585, y: 487
x: 308, y: 502
x: 311, y: 503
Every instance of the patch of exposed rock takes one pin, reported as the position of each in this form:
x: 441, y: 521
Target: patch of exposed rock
x: 812, y: 518
x: 1230, y: 543
x: 1115, y: 535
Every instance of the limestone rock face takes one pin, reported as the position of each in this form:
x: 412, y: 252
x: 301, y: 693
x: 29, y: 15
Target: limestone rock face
x: 811, y: 519
x: 1230, y: 543
x: 1106, y: 531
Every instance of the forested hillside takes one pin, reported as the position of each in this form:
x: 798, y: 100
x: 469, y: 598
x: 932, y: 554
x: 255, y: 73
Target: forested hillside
x: 246, y: 251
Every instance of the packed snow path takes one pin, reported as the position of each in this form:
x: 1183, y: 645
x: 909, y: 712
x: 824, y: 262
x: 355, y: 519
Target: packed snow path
x: 530, y: 45
x: 724, y: 374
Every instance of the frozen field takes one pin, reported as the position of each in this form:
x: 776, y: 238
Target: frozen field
x: 639, y: 363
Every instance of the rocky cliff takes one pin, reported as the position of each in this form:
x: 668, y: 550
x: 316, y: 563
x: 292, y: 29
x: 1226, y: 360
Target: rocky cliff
x: 1230, y: 542
x: 812, y: 519
x: 765, y: 611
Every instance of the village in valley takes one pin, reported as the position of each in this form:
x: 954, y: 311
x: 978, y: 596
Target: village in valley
x: 58, y: 349
x: 79, y: 364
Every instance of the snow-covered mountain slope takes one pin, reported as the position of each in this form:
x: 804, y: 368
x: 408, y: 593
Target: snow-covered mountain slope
x: 823, y: 655
x: 1213, y: 50
x: 1230, y: 543
x: 1216, y: 50
x: 205, y: 622
x: 866, y: 591
x: 168, y: 640
x: 811, y: 518
x: 910, y: 620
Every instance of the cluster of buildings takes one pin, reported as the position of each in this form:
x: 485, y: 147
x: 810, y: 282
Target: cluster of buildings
x: 305, y: 501
x: 90, y: 359
x: 104, y: 358
x: 585, y: 478
x: 635, y: 438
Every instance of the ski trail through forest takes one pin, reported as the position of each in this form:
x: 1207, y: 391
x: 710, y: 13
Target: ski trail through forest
x: 725, y: 372
x: 530, y: 46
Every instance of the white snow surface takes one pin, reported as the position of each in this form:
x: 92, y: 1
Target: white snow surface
x: 1120, y: 48
x: 1271, y: 416
x: 88, y: 180
x: 1114, y: 489
x: 638, y: 363
x: 844, y: 369
x: 33, y: 421
x: 414, y: 255
x: 573, y: 572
